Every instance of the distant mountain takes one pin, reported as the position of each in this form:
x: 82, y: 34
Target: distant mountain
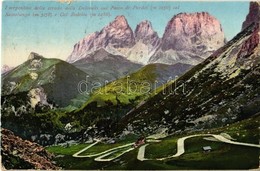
x: 45, y: 80
x: 102, y: 66
x: 6, y: 68
x: 221, y: 90
x: 188, y: 38
x: 17, y: 153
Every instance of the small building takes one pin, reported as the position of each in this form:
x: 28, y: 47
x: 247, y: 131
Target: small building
x: 207, y: 149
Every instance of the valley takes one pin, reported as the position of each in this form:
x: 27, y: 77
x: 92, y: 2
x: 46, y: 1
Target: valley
x: 160, y: 152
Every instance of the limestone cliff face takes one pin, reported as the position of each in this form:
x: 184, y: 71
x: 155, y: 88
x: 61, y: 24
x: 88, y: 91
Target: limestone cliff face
x: 190, y: 35
x: 253, y: 15
x: 82, y: 47
x: 192, y: 31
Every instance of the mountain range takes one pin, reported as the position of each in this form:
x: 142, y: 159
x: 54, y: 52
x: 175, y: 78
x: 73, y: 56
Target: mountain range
x: 188, y: 38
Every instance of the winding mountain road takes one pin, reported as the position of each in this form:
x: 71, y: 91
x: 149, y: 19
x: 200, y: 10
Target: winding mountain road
x: 141, y: 152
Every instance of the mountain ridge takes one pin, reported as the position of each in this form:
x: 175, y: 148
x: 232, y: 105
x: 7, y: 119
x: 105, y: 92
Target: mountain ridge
x: 102, y: 66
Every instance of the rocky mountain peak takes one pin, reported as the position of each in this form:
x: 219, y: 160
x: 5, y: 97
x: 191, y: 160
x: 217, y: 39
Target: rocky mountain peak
x: 196, y: 32
x: 147, y: 42
x: 189, y: 38
x: 120, y: 22
x: 117, y: 34
x: 253, y: 15
x: 144, y: 28
x: 83, y: 47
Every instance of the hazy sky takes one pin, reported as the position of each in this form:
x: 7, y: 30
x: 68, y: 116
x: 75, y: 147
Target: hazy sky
x: 54, y: 37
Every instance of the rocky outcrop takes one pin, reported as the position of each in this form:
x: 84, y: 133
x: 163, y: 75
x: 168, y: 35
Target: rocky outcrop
x: 116, y: 35
x: 253, y: 15
x: 37, y: 96
x: 23, y: 154
x: 147, y: 42
x: 144, y: 32
x: 33, y: 56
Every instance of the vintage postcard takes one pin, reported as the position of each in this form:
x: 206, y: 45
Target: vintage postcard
x: 130, y: 85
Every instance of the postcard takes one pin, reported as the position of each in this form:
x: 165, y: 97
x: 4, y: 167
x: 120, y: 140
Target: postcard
x: 130, y: 85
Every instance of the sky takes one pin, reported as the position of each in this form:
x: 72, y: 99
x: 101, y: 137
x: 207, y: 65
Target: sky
x: 54, y: 36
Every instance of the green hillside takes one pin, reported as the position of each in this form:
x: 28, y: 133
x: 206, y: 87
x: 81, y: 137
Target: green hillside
x: 59, y: 79
x: 137, y: 86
